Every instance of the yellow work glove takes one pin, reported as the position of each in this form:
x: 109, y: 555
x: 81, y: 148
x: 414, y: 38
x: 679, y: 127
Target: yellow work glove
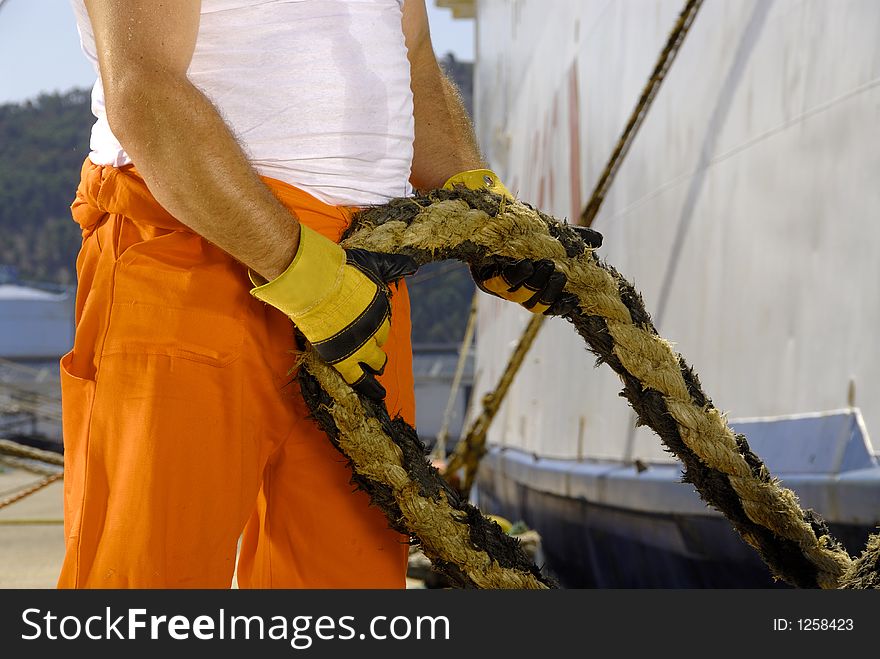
x: 479, y: 179
x: 338, y: 298
x: 536, y: 285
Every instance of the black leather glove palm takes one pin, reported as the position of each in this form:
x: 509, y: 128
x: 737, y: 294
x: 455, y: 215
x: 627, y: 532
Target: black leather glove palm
x: 536, y: 285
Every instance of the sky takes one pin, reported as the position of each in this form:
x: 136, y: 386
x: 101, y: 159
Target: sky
x: 39, y: 46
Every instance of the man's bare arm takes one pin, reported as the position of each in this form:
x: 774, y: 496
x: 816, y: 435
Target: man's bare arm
x: 176, y: 138
x: 444, y: 136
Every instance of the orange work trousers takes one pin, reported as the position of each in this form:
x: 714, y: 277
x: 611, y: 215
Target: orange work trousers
x: 184, y: 427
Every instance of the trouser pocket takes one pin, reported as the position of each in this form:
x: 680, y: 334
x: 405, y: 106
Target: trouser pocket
x: 78, y: 397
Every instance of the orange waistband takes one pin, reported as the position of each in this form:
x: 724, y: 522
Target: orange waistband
x: 104, y: 190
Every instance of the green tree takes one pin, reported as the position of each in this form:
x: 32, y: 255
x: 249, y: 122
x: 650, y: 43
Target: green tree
x: 42, y: 146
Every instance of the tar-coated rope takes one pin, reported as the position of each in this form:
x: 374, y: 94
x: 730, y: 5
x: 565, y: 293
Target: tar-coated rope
x: 663, y: 390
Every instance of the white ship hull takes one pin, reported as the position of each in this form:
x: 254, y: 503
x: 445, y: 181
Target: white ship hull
x: 746, y: 214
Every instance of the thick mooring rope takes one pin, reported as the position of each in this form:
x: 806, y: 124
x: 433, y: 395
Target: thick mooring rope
x: 8, y: 447
x: 659, y: 385
x: 39, y: 468
x: 864, y: 572
x: 388, y: 462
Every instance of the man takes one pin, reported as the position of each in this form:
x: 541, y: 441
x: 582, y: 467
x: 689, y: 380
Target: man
x: 234, y: 137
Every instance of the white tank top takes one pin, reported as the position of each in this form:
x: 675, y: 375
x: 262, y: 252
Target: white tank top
x: 317, y: 92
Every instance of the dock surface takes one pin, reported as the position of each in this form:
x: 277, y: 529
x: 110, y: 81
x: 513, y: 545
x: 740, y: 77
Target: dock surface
x: 31, y: 532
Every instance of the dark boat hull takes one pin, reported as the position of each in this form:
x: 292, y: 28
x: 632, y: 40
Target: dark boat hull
x: 587, y: 545
x: 612, y: 525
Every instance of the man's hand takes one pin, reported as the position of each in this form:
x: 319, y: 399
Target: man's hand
x: 339, y: 300
x: 536, y: 285
x: 445, y: 143
x: 479, y: 179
